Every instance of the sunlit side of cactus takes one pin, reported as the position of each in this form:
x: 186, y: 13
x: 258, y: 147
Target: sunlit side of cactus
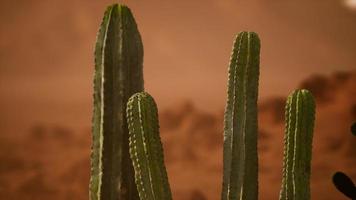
x: 118, y: 75
x: 240, y: 177
x: 146, y: 148
x: 300, y: 111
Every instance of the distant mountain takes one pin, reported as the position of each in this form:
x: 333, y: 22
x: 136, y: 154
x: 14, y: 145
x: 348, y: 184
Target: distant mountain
x: 52, y: 162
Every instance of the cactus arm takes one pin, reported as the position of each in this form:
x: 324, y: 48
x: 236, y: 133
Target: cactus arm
x: 146, y: 148
x: 240, y: 177
x: 300, y: 112
x: 118, y: 75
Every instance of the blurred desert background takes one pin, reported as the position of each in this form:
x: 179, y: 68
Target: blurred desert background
x: 46, y: 71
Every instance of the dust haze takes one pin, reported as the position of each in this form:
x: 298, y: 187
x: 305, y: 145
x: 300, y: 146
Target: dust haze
x: 46, y: 71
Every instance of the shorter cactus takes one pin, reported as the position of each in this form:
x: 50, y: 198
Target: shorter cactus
x: 146, y: 148
x: 300, y: 110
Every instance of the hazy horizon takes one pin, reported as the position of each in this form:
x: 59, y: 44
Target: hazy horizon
x: 46, y: 74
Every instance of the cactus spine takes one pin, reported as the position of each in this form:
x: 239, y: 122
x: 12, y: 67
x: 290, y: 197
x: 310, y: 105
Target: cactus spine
x: 146, y: 148
x: 118, y: 75
x: 300, y: 110
x: 240, y: 178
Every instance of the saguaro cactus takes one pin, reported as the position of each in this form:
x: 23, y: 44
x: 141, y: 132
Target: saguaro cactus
x: 146, y: 148
x: 127, y: 160
x: 240, y: 178
x: 300, y: 111
x: 118, y: 75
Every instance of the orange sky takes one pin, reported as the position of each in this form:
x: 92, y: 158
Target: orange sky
x: 46, y: 51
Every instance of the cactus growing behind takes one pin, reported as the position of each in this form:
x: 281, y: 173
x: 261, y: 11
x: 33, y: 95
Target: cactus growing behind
x: 146, y: 148
x: 118, y: 75
x: 300, y: 110
x: 343, y: 182
x: 345, y: 185
x: 353, y: 129
x: 240, y: 178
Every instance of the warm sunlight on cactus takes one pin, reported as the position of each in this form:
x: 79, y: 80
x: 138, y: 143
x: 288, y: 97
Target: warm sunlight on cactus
x: 118, y: 75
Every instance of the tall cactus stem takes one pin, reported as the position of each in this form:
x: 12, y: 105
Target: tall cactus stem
x: 240, y: 177
x: 300, y: 112
x: 146, y: 148
x: 118, y: 75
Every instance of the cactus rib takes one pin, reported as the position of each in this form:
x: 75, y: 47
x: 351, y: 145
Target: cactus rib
x: 300, y: 111
x: 240, y: 178
x: 118, y: 75
x: 146, y: 148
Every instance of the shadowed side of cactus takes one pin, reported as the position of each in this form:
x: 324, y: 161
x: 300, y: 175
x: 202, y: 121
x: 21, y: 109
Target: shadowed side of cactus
x: 146, y: 148
x: 300, y: 112
x: 118, y: 75
x: 240, y: 177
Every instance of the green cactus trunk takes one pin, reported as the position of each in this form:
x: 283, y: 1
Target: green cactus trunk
x: 300, y: 111
x: 118, y: 75
x: 146, y: 148
x: 240, y: 178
